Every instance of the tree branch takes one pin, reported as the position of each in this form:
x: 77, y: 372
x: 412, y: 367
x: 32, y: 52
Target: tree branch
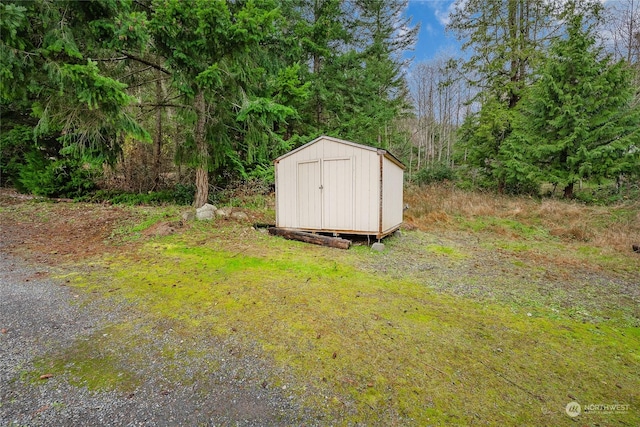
x: 144, y: 61
x: 163, y: 105
x: 121, y: 58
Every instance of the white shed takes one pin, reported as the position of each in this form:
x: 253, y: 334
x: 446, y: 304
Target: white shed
x: 336, y: 186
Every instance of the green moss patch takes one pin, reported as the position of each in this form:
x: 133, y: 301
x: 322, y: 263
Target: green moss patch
x: 97, y: 361
x: 375, y: 348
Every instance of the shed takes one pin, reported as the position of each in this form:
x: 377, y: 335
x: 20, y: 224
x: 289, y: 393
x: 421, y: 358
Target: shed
x: 335, y: 186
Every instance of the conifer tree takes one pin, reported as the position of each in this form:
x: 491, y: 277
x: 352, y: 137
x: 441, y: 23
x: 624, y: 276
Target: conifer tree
x: 578, y: 120
x: 55, y: 81
x: 208, y: 47
x: 505, y: 40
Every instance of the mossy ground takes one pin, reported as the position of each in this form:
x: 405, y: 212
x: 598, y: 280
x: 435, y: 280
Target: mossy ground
x: 503, y: 325
x: 375, y: 347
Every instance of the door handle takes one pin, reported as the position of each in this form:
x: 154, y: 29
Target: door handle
x: 321, y: 187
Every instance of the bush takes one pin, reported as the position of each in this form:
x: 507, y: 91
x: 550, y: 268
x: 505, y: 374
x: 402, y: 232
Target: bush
x: 52, y: 177
x: 14, y: 144
x: 435, y: 173
x: 183, y: 194
x: 250, y: 192
x: 180, y: 195
x: 607, y: 193
x: 522, y: 187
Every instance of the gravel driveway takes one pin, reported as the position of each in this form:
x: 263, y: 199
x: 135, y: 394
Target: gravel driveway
x: 39, y: 316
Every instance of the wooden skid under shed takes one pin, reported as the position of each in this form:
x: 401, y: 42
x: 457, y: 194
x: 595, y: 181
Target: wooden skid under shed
x: 316, y: 239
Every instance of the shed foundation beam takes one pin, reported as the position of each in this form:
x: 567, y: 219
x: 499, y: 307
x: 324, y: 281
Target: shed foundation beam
x: 316, y: 239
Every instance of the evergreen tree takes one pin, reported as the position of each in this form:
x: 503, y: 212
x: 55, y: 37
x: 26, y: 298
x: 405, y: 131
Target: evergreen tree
x: 211, y: 49
x: 53, y: 80
x: 505, y: 40
x: 381, y: 95
x: 353, y: 52
x: 578, y: 120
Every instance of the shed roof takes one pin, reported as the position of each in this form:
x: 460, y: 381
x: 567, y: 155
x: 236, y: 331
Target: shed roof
x: 386, y: 154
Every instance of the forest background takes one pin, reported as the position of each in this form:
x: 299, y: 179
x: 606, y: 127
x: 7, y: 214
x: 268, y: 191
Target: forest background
x: 172, y: 101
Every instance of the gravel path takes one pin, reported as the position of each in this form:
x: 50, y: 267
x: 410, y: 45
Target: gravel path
x: 38, y: 316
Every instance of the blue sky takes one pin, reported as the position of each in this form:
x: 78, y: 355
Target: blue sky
x: 432, y: 39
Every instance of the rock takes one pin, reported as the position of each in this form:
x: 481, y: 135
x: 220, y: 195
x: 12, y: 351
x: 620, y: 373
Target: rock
x: 206, y: 212
x: 224, y: 212
x: 378, y: 247
x: 240, y: 216
x: 189, y: 216
x: 160, y: 229
x: 397, y: 233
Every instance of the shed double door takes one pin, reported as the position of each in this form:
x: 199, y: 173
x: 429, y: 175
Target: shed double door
x: 325, y: 194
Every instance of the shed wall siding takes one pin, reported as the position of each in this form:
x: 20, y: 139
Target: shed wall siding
x: 339, y: 158
x: 392, y: 208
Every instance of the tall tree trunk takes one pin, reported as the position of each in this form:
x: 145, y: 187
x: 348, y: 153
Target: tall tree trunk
x: 568, y: 191
x: 157, y: 138
x: 202, y: 170
x: 513, y: 40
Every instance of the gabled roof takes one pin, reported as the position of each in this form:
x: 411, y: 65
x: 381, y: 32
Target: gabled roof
x: 385, y: 153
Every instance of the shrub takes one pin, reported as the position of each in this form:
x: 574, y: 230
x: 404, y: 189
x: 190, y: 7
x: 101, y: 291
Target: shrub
x: 437, y: 172
x: 180, y: 195
x: 14, y: 144
x: 69, y: 176
x: 183, y: 194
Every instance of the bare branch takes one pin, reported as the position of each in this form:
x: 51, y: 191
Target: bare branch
x: 144, y: 61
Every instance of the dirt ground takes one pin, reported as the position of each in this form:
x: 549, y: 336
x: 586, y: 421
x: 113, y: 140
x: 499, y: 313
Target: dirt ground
x: 41, y: 316
x: 61, y: 232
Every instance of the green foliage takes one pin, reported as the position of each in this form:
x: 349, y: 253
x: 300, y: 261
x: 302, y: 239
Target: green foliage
x: 355, y: 76
x: 179, y: 195
x: 183, y: 194
x: 482, y: 135
x: 12, y: 19
x: 438, y: 172
x: 72, y: 105
x: 577, y: 121
x: 608, y: 193
x: 66, y: 176
x: 264, y: 173
x: 14, y: 144
x: 272, y: 74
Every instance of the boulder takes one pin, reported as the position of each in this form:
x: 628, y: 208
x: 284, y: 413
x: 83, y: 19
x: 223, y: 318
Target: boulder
x: 206, y: 212
x: 378, y: 247
x: 240, y: 216
x: 224, y: 212
x: 189, y: 216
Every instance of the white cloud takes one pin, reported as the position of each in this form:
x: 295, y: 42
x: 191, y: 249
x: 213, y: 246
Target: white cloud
x: 429, y: 29
x: 443, y: 10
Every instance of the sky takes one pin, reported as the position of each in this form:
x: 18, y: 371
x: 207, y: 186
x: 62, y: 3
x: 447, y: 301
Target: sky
x: 432, y: 15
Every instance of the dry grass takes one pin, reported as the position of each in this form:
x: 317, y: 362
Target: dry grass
x: 612, y: 228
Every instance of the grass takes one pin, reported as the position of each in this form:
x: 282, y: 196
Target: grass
x: 379, y: 350
x: 483, y: 315
x: 612, y: 228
